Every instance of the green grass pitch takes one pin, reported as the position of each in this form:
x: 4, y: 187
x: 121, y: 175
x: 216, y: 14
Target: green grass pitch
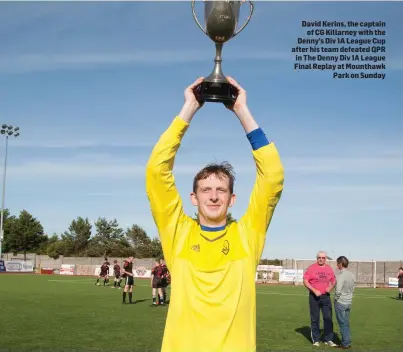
x: 64, y: 313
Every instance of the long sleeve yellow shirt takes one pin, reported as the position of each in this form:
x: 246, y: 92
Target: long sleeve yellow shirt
x: 213, y: 299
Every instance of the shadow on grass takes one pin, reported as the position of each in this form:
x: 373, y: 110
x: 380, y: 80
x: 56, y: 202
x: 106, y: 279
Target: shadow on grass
x: 396, y: 298
x: 142, y: 300
x: 306, y: 332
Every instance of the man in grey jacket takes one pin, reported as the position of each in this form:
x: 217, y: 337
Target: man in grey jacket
x: 343, y: 298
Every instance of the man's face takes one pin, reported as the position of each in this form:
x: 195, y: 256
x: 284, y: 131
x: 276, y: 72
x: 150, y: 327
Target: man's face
x: 213, y: 198
x: 321, y: 258
x: 339, y: 266
x: 131, y: 259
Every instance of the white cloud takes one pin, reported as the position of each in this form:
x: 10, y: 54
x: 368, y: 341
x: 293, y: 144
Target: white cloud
x: 107, y: 165
x: 60, y: 144
x: 345, y: 165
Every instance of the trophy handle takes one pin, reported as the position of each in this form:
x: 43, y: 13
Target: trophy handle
x: 195, y: 17
x: 251, y: 6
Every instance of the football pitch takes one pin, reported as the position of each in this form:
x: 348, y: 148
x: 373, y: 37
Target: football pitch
x: 59, y: 313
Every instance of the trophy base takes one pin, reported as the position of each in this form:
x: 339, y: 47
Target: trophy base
x: 214, y: 92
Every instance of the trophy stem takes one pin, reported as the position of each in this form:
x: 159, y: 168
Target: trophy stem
x: 217, y: 76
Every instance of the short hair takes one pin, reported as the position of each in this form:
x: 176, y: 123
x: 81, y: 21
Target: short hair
x: 220, y: 170
x: 343, y: 261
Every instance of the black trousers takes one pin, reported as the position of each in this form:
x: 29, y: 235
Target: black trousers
x: 316, y: 304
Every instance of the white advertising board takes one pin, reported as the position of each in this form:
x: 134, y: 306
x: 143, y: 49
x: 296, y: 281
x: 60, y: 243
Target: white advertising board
x: 19, y: 266
x: 291, y: 275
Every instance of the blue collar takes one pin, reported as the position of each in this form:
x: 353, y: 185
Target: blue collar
x: 213, y: 229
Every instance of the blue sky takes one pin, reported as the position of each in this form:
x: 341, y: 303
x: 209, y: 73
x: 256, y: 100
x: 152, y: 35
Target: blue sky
x: 93, y: 85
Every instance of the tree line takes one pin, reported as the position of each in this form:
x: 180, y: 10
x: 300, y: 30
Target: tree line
x: 25, y: 234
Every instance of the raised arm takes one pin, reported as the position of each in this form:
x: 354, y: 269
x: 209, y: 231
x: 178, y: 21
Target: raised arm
x: 165, y: 201
x: 269, y: 177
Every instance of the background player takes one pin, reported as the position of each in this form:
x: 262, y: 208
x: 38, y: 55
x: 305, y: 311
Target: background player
x: 400, y: 283
x: 116, y: 271
x: 104, y: 273
x: 156, y: 278
x: 129, y: 280
x: 166, y: 278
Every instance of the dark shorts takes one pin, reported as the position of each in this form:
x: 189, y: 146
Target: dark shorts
x: 117, y: 275
x: 129, y: 281
x: 400, y: 285
x: 157, y: 282
x: 103, y: 274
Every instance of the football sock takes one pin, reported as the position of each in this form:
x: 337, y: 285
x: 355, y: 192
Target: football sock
x: 154, y: 300
x: 114, y: 284
x: 97, y: 280
x: 161, y: 300
x: 124, y: 297
x: 130, y: 296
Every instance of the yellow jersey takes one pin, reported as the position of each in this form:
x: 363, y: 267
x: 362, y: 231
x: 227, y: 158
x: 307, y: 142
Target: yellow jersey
x: 213, y: 299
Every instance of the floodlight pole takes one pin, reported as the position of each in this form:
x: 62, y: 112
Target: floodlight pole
x: 8, y: 130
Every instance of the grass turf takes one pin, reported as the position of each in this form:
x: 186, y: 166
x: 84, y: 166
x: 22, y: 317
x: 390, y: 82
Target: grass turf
x: 59, y: 313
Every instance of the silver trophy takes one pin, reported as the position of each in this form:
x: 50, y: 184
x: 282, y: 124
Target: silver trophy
x: 221, y: 20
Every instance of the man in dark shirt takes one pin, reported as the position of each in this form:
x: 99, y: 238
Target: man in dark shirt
x: 166, y: 278
x: 104, y: 273
x: 116, y: 271
x: 400, y: 282
x: 129, y: 280
x: 156, y: 283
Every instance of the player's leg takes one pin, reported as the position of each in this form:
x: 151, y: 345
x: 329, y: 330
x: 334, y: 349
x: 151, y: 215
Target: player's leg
x: 126, y: 288
x: 315, y: 318
x: 131, y: 284
x: 115, y: 281
x: 401, y: 293
x: 161, y: 296
x: 97, y: 282
x: 154, y: 293
x: 119, y: 282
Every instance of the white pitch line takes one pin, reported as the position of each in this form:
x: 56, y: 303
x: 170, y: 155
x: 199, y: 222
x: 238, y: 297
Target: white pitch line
x: 305, y: 295
x: 258, y: 292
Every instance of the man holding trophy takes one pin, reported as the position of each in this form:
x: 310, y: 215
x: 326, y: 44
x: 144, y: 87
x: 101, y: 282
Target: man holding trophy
x: 212, y: 263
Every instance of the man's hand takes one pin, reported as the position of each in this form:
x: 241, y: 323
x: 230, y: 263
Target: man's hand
x: 189, y: 93
x: 240, y: 108
x: 191, y: 104
x: 316, y: 292
x: 240, y: 103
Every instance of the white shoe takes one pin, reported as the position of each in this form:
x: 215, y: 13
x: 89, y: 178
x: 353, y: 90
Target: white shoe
x: 330, y: 343
x: 316, y: 344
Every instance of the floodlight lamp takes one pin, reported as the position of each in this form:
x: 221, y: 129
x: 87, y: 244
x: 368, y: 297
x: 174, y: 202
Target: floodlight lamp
x: 2, y: 131
x: 10, y: 133
x: 10, y: 127
x: 16, y: 129
x: 4, y: 126
x: 16, y: 134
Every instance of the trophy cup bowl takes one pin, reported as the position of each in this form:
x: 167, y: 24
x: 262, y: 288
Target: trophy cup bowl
x: 221, y: 20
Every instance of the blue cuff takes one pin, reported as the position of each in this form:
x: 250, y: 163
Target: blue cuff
x: 257, y: 138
